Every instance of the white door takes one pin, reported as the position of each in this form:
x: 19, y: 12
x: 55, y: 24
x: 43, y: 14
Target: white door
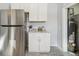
x: 33, y: 43
x: 45, y: 43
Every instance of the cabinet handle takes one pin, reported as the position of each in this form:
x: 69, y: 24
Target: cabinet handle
x: 39, y: 44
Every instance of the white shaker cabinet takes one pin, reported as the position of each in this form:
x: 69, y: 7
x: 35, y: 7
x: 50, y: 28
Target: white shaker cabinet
x: 33, y: 12
x: 42, y: 11
x: 39, y: 42
x: 38, y: 12
x: 44, y: 42
x: 33, y: 43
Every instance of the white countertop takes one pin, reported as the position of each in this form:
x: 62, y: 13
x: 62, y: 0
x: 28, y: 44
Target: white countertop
x: 38, y: 32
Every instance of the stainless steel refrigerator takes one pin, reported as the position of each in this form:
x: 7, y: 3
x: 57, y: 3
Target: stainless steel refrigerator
x: 12, y: 32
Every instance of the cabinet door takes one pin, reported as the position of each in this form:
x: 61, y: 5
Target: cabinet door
x: 33, y: 43
x: 42, y: 12
x: 38, y: 12
x: 26, y: 6
x: 33, y: 12
x: 45, y: 43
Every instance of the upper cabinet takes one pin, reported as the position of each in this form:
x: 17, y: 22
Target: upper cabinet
x: 33, y: 12
x: 38, y: 12
x: 42, y: 12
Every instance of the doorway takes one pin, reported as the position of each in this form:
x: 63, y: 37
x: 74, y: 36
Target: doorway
x: 73, y: 29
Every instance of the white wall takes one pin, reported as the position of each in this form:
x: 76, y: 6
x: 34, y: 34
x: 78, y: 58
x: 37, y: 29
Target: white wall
x: 60, y: 7
x: 52, y: 22
x: 59, y: 25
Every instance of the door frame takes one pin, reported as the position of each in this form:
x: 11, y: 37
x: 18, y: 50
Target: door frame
x: 65, y: 26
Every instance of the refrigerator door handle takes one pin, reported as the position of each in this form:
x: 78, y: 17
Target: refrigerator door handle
x: 11, y: 25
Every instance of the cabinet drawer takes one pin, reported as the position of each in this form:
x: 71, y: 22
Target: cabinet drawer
x: 39, y: 35
x: 44, y: 35
x: 33, y: 35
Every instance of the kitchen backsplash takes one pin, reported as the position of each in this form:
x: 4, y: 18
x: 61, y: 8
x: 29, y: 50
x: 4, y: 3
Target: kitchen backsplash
x: 36, y: 25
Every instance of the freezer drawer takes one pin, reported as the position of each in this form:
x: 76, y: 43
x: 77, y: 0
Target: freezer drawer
x: 20, y: 41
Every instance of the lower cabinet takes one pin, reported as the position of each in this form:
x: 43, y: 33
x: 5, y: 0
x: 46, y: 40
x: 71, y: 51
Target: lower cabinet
x: 45, y: 43
x: 39, y: 42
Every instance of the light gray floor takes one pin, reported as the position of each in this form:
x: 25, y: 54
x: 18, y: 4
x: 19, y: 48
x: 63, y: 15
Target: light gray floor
x: 54, y: 51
